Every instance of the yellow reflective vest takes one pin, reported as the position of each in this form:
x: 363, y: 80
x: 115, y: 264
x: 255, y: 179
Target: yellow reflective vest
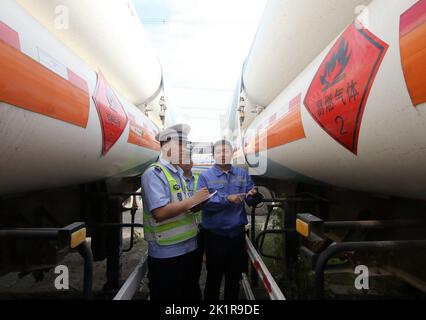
x: 175, y: 230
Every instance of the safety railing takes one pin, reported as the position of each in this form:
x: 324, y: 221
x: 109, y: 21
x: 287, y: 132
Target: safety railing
x: 131, y: 286
x: 267, y: 279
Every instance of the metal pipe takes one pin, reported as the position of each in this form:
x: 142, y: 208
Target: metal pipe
x: 265, y: 226
x: 253, y: 223
x: 352, y: 246
x: 117, y: 194
x: 295, y: 199
x: 58, y: 234
x: 373, y: 224
x: 132, y: 228
x: 117, y: 225
x: 114, y: 244
x: 253, y: 274
x: 291, y: 238
x: 262, y: 235
x: 86, y: 252
x: 39, y: 234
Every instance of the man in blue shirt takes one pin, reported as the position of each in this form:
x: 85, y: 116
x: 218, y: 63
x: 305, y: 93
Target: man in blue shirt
x: 169, y: 228
x: 223, y: 222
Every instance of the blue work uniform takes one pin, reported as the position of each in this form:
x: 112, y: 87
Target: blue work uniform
x: 219, y: 215
x: 156, y: 194
x: 223, y: 225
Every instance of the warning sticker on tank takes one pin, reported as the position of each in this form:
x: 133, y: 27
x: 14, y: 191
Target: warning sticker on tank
x: 111, y: 113
x: 338, y: 94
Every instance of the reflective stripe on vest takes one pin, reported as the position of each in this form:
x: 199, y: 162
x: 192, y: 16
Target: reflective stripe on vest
x: 175, y: 230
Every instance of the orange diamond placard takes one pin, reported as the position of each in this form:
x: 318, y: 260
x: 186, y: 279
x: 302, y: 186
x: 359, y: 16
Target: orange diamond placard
x: 111, y: 113
x: 338, y: 93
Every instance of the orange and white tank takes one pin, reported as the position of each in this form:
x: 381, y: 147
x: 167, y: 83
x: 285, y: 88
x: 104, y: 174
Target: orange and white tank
x: 356, y: 116
x: 62, y: 122
x: 107, y: 35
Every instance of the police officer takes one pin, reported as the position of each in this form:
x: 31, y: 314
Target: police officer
x: 169, y: 228
x: 223, y: 222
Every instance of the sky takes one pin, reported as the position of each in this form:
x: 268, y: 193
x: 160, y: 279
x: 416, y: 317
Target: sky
x: 202, y: 45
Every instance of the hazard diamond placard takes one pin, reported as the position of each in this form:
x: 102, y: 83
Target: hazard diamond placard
x: 111, y: 113
x: 339, y: 91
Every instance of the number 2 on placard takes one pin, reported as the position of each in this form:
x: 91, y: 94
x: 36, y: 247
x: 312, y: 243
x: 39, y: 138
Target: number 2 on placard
x: 341, y: 120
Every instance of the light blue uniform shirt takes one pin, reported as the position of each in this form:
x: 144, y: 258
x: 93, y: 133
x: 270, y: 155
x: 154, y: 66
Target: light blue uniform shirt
x: 156, y: 194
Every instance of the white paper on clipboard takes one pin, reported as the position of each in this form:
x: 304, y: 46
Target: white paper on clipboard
x: 197, y: 206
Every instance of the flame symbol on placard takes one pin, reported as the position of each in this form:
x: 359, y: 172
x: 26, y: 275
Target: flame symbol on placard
x: 333, y: 71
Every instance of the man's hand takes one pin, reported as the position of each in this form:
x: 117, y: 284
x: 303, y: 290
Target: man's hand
x: 236, y: 198
x: 252, y: 192
x: 200, y: 196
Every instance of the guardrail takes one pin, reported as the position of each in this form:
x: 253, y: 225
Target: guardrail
x: 268, y: 281
x: 131, y: 286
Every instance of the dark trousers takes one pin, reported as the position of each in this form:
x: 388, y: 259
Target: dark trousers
x: 225, y: 257
x: 200, y: 262
x: 174, y: 278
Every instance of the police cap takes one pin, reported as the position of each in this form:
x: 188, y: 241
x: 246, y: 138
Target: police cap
x: 177, y: 132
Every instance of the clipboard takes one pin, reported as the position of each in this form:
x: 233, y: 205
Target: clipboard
x: 197, y: 207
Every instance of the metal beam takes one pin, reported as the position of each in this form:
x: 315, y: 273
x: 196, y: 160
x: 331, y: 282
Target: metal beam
x: 131, y: 286
x: 268, y: 280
